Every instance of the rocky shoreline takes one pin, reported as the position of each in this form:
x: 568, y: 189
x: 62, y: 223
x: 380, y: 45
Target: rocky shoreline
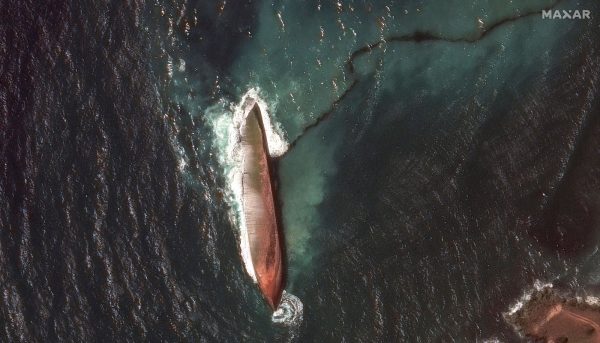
x: 549, y: 316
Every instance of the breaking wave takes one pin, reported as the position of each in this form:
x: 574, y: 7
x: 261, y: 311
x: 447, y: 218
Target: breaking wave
x: 290, y: 311
x: 537, y: 286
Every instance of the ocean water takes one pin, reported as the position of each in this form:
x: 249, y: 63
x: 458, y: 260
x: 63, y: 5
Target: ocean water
x: 436, y: 160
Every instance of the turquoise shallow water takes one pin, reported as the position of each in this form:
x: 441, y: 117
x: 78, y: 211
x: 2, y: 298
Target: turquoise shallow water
x: 305, y: 73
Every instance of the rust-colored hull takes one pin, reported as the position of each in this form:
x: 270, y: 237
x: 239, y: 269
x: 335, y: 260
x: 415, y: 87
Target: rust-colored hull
x: 259, y: 208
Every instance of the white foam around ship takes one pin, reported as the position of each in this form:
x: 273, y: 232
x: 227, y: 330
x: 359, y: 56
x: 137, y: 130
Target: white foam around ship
x: 290, y: 311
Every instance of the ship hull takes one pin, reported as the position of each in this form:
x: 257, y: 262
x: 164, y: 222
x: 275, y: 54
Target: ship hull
x: 259, y: 209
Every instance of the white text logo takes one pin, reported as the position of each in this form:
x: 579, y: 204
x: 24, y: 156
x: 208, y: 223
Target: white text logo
x: 566, y: 14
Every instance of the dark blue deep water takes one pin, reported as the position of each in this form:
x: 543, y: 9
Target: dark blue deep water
x: 443, y: 158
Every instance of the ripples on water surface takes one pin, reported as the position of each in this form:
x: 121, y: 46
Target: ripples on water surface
x: 452, y: 166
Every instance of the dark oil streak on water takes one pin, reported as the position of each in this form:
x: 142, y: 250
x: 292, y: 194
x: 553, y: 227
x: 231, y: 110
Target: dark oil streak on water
x: 416, y: 37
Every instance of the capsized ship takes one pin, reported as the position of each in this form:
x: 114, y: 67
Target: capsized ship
x: 259, y: 208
